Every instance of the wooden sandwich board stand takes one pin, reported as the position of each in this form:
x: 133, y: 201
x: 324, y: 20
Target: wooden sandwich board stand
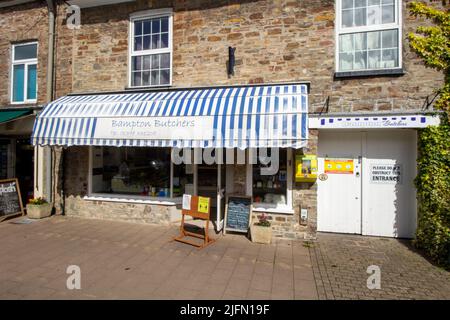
x: 196, y: 207
x: 10, y: 199
x: 238, y: 213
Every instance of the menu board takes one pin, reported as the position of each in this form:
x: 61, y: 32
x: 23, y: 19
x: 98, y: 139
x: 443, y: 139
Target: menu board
x: 10, y: 199
x: 237, y: 213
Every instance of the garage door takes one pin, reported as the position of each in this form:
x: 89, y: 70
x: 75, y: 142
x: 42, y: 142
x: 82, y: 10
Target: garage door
x: 369, y: 186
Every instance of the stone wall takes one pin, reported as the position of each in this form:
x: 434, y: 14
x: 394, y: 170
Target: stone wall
x: 28, y: 22
x: 275, y: 40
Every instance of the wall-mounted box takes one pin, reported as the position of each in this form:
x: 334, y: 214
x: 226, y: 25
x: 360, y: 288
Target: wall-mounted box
x: 306, y: 168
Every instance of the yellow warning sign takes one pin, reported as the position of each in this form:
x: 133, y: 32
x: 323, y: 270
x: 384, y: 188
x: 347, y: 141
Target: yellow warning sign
x: 203, y: 204
x: 339, y: 166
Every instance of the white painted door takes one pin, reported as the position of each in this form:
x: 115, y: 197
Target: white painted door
x: 389, y: 196
x: 339, y: 196
x: 379, y: 198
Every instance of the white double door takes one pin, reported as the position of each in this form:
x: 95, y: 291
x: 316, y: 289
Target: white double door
x: 377, y: 197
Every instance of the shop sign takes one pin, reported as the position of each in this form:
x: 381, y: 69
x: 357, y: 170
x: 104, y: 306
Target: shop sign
x: 10, y: 199
x: 339, y: 166
x: 198, y: 208
x: 174, y: 128
x: 238, y: 210
x: 379, y: 121
x: 385, y: 173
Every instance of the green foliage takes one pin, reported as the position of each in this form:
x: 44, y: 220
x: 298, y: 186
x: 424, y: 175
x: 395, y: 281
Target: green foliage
x: 432, y: 44
x: 38, y: 201
x: 433, y: 191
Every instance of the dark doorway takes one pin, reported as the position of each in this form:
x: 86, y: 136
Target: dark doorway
x: 25, y: 168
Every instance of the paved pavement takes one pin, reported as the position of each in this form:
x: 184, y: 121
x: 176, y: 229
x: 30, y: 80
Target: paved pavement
x: 340, y: 265
x: 131, y: 261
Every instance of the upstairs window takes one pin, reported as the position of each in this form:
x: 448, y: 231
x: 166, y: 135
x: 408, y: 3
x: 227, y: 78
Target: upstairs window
x: 24, y: 73
x: 369, y: 35
x: 151, y: 49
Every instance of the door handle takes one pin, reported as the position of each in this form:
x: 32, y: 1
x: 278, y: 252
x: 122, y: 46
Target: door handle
x: 357, y: 174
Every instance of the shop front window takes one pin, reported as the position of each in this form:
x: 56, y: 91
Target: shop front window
x: 137, y: 171
x: 271, y: 190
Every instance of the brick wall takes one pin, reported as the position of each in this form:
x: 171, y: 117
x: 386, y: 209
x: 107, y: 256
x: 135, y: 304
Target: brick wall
x: 28, y: 22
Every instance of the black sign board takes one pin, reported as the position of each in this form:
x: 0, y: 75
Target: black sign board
x: 237, y: 213
x: 10, y: 199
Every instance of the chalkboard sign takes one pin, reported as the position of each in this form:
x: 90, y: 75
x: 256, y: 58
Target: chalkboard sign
x: 237, y: 213
x: 10, y: 199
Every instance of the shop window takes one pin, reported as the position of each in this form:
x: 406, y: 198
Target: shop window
x: 369, y: 35
x: 271, y: 191
x: 24, y: 73
x: 151, y: 49
x: 131, y: 171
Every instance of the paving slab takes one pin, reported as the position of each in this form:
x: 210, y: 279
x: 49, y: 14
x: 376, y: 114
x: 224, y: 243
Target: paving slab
x: 120, y: 260
x: 340, y: 267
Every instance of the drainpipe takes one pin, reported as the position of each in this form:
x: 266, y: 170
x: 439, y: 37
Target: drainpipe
x: 49, y: 94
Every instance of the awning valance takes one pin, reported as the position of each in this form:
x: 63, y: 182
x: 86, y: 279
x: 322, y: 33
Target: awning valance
x: 242, y: 117
x: 9, y: 115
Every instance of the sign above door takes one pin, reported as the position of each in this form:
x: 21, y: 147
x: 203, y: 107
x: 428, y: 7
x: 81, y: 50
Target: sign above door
x: 373, y: 122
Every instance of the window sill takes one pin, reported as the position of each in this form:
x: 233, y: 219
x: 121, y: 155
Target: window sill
x: 23, y: 103
x: 278, y: 210
x: 148, y: 88
x: 134, y: 199
x: 369, y: 73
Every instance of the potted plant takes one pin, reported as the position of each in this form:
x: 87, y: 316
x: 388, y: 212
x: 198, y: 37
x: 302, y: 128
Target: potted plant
x: 38, y: 208
x: 261, y: 231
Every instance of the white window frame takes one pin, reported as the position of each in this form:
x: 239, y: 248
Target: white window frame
x: 397, y: 24
x: 26, y: 63
x: 149, y: 14
x: 269, y: 208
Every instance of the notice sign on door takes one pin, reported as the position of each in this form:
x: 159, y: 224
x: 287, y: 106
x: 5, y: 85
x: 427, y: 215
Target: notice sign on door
x: 385, y: 173
x: 338, y: 166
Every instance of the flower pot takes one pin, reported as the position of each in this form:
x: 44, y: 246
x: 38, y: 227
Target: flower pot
x: 39, y: 211
x: 261, y: 234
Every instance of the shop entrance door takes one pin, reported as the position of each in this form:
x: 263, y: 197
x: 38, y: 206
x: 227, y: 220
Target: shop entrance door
x: 389, y: 195
x: 25, y: 168
x: 221, y: 172
x: 339, y: 196
x: 211, y: 183
x: 377, y: 197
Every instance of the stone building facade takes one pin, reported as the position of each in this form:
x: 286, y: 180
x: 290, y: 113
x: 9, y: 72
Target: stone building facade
x: 25, y: 23
x: 276, y: 41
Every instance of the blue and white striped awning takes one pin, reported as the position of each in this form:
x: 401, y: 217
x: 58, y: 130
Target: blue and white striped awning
x: 242, y: 117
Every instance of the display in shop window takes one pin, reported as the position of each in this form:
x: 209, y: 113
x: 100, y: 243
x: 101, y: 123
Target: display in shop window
x: 271, y: 189
x: 137, y: 171
x: 306, y: 168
